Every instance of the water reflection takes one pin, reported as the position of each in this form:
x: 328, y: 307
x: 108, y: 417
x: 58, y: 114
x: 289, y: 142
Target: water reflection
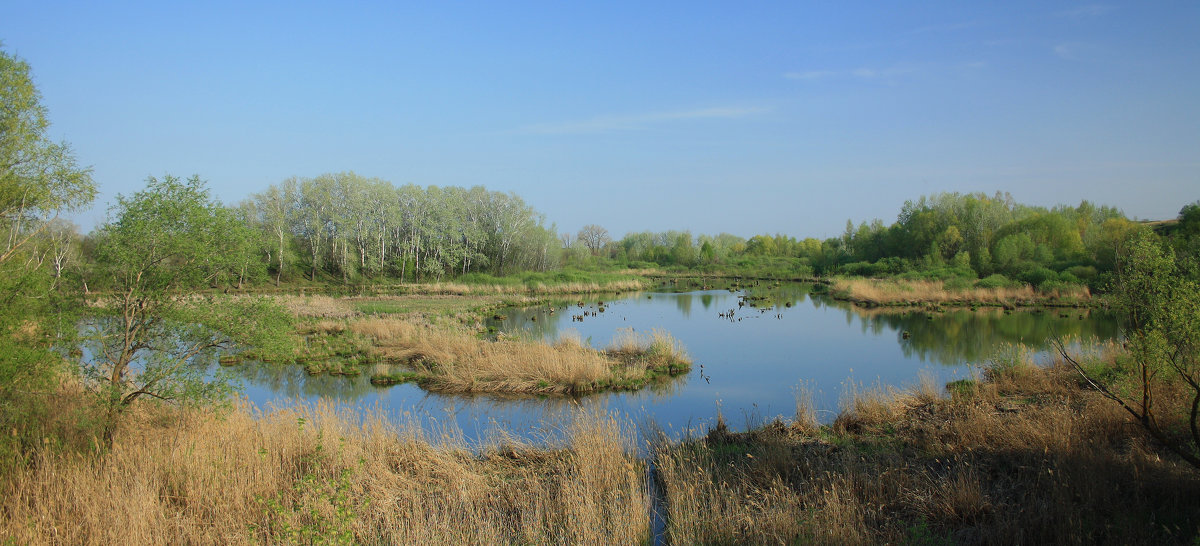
x: 954, y: 337
x: 751, y: 345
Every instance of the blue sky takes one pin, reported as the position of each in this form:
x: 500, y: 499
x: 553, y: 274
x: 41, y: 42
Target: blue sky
x: 716, y: 117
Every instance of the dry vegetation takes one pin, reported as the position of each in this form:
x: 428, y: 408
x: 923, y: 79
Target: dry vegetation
x: 317, y: 476
x: 431, y: 340
x: 455, y: 361
x: 329, y: 307
x: 1026, y: 457
x: 1023, y: 455
x: 444, y: 298
x: 534, y: 289
x: 908, y: 292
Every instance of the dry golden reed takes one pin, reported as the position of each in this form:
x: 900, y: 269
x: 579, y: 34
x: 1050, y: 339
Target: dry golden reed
x: 317, y: 475
x: 1027, y: 456
x: 899, y: 291
x: 459, y: 362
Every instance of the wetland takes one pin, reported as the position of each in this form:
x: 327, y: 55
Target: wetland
x: 755, y: 350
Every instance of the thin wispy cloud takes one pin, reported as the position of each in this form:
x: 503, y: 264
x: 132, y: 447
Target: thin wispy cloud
x: 949, y: 27
x: 605, y: 124
x: 1091, y: 10
x: 810, y: 75
x: 887, y: 74
x: 1075, y: 51
x: 862, y: 73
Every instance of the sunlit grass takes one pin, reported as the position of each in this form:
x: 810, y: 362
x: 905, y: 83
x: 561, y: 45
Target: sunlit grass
x: 1024, y: 455
x: 328, y: 475
x: 1032, y: 457
x: 902, y: 291
x: 455, y: 361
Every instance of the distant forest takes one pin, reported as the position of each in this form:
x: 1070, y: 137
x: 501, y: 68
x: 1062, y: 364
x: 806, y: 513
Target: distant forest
x: 352, y: 229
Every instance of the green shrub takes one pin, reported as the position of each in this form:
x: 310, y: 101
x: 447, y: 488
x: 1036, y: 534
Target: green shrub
x: 1068, y: 278
x: 1083, y: 272
x: 1038, y: 276
x: 994, y: 280
x: 958, y: 283
x: 944, y: 273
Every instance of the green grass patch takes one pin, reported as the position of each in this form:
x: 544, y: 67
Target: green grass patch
x: 396, y: 378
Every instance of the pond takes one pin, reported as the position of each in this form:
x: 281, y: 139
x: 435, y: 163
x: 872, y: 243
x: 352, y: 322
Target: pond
x: 752, y: 349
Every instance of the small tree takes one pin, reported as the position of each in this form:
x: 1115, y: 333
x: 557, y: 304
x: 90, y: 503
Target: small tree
x: 1159, y: 300
x: 39, y: 179
x: 162, y: 243
x: 594, y: 237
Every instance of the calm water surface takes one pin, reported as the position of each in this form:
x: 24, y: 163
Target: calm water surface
x: 747, y: 363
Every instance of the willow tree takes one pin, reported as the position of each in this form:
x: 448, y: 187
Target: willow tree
x: 160, y: 246
x: 39, y: 179
x: 276, y: 208
x: 1157, y: 297
x: 594, y: 237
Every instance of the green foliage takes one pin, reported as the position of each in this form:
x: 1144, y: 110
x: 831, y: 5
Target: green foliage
x: 27, y: 366
x: 1037, y: 276
x: 1158, y: 297
x: 944, y: 273
x: 38, y: 177
x: 352, y: 227
x: 38, y: 180
x: 318, y: 509
x: 1082, y: 273
x: 994, y: 280
x: 160, y: 244
x: 1186, y: 235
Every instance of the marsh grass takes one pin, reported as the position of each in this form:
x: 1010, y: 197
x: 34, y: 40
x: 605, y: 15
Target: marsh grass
x: 531, y: 287
x: 1023, y: 455
x: 324, y: 475
x: 1014, y: 458
x: 450, y: 360
x: 903, y: 291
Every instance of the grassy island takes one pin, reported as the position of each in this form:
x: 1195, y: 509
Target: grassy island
x: 905, y: 292
x: 435, y: 342
x: 448, y: 361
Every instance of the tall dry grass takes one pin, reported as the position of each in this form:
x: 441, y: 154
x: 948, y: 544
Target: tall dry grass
x: 1025, y: 456
x: 454, y: 361
x: 325, y: 475
x: 317, y: 306
x: 899, y: 291
x: 657, y: 347
x: 537, y: 288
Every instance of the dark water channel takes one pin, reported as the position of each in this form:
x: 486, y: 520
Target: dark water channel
x: 749, y: 358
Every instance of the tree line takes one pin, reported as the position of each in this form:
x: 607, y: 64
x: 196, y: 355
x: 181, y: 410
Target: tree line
x: 355, y: 227
x: 947, y: 235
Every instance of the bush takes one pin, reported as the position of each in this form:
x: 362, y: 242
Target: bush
x: 1038, y: 276
x: 944, y: 273
x: 1083, y: 272
x: 958, y: 283
x: 861, y: 269
x: 995, y: 280
x: 1068, y: 278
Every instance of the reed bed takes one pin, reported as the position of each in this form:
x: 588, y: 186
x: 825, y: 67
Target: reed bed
x: 318, y: 306
x: 656, y: 347
x: 1025, y: 455
x: 1022, y: 455
x: 323, y: 475
x: 454, y: 361
x: 536, y: 288
x: 899, y: 291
